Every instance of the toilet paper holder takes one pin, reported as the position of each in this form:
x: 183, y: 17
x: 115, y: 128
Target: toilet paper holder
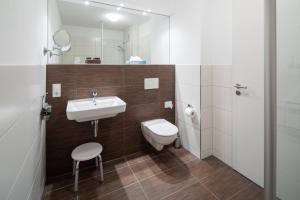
x: 189, y: 111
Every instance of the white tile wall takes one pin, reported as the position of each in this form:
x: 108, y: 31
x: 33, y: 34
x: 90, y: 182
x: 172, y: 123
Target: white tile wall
x: 222, y: 112
x: 206, y: 111
x: 190, y: 137
x: 222, y: 146
x: 22, y: 132
x: 222, y: 120
x: 206, y: 96
x: 222, y: 75
x: 180, y: 109
x: 222, y: 97
x: 206, y: 118
x: 216, y: 112
x: 186, y: 54
x: 188, y: 77
x: 206, y: 142
x: 206, y: 75
x: 188, y: 92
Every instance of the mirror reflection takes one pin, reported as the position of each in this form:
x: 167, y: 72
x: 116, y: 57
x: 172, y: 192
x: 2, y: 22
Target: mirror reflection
x: 62, y: 40
x: 105, y: 34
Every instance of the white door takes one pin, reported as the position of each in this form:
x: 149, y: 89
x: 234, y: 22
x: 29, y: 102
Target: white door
x: 248, y: 71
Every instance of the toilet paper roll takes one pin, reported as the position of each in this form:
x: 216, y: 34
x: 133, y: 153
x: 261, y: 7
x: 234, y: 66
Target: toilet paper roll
x: 190, y: 112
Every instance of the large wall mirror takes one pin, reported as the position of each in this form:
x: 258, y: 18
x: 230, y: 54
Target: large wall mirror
x: 107, y: 34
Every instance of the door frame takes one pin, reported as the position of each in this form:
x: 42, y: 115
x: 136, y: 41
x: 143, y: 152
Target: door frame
x: 270, y: 100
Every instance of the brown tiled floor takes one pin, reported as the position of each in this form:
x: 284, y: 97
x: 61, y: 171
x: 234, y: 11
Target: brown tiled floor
x: 173, y: 174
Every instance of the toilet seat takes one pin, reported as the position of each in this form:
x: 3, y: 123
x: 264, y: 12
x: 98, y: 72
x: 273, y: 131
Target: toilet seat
x: 161, y: 127
x: 159, y: 132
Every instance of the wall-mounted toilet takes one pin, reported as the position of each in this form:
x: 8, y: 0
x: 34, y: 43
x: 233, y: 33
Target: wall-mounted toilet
x: 159, y: 132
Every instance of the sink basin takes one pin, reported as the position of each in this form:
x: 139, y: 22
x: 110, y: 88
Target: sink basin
x: 83, y: 110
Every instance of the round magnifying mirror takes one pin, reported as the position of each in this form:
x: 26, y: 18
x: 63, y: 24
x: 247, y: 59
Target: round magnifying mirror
x: 62, y: 40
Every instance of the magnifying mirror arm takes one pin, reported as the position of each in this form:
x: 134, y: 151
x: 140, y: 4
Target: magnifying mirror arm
x: 52, y: 52
x: 56, y: 48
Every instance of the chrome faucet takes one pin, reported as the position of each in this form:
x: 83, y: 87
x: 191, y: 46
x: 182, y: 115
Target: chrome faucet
x: 95, y: 94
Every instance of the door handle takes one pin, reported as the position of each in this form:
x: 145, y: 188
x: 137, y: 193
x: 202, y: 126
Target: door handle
x: 239, y: 87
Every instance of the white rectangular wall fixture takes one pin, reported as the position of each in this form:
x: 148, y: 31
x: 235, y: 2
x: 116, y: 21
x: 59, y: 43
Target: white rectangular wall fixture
x: 169, y: 104
x: 56, y: 90
x: 151, y: 83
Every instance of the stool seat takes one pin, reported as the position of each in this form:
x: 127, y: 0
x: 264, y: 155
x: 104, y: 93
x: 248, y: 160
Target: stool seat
x: 87, y: 151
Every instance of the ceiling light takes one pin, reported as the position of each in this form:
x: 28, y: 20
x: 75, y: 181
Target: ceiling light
x: 144, y: 13
x: 122, y: 5
x: 149, y: 10
x: 86, y: 3
x: 118, y: 8
x: 113, y: 17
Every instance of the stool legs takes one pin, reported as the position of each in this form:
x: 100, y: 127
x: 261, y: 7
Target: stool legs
x: 101, y: 168
x: 76, y: 177
x: 97, y: 162
x: 74, y: 167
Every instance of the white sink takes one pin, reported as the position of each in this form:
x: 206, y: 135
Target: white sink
x: 83, y: 110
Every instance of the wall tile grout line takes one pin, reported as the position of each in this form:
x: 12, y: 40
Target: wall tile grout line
x: 92, y: 177
x: 191, y: 184
x: 212, y: 193
x: 127, y: 186
x: 141, y: 187
x: 138, y: 181
x: 163, y: 171
x: 202, y: 180
x: 17, y: 119
x: 240, y: 191
x: 222, y: 109
x: 196, y: 180
x: 223, y: 86
x: 85, y: 179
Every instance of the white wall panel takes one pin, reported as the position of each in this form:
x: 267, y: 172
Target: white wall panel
x: 22, y: 83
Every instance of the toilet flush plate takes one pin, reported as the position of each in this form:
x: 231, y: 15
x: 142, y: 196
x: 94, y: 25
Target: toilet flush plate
x: 151, y: 83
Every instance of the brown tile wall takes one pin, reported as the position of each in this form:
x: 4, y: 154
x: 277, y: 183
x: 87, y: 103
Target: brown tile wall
x: 120, y: 135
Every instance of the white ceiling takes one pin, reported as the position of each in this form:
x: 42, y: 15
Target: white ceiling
x: 166, y: 7
x: 75, y: 13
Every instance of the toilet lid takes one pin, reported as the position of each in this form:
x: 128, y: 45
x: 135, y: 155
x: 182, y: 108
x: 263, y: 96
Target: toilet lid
x: 161, y: 127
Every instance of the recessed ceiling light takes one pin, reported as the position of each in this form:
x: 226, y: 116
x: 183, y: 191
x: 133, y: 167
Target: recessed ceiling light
x: 149, y: 10
x: 86, y: 3
x: 113, y: 17
x: 118, y: 8
x: 122, y: 4
x: 144, y: 13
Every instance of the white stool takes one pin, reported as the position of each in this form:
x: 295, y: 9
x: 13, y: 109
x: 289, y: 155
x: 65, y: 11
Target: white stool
x: 86, y: 152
